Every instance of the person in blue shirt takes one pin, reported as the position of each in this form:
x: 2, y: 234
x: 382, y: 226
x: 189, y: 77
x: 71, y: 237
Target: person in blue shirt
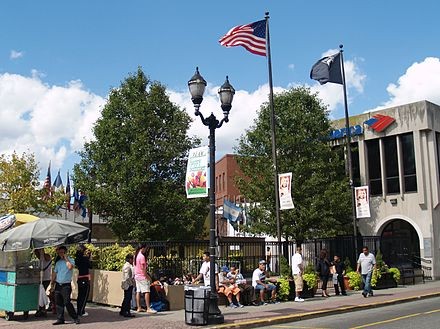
x: 61, y: 279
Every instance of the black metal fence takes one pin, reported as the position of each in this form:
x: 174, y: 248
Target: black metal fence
x: 178, y: 258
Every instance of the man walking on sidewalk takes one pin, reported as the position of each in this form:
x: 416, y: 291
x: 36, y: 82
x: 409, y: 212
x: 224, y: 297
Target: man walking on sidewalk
x: 366, y: 262
x: 297, y: 271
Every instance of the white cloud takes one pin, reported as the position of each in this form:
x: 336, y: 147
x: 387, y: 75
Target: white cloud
x: 291, y: 66
x: 16, y: 54
x: 243, y: 113
x: 50, y: 121
x: 421, y: 81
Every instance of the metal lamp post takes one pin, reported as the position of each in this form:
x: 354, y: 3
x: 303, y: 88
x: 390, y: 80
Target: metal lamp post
x: 226, y: 92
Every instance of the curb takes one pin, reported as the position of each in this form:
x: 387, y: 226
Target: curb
x: 313, y: 314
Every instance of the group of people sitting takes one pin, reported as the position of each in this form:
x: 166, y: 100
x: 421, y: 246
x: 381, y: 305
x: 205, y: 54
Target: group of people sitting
x: 231, y: 283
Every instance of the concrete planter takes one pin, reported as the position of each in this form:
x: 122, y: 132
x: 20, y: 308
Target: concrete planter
x: 107, y: 290
x: 107, y: 287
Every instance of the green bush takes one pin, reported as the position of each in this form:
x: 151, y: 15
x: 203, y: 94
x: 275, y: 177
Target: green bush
x: 112, y: 258
x: 396, y: 274
x: 311, y: 279
x: 284, y: 288
x: 354, y: 280
x: 285, y: 269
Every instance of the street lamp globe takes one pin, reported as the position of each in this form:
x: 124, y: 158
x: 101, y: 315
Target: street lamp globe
x: 197, y: 87
x: 226, y: 93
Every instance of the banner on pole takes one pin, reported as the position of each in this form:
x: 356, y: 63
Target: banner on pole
x: 362, y: 202
x: 196, y: 182
x: 285, y: 193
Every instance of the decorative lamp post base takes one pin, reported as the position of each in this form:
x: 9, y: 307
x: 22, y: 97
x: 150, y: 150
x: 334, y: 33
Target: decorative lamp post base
x: 215, y: 316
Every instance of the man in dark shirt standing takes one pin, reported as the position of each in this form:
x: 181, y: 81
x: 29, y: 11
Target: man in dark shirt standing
x: 82, y: 261
x: 340, y: 271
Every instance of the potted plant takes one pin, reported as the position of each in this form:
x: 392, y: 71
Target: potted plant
x: 354, y: 280
x: 284, y: 282
x: 310, y: 282
x: 382, y: 277
x: 348, y: 269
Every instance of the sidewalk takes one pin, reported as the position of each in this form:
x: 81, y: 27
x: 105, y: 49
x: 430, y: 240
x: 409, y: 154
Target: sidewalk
x: 247, y: 317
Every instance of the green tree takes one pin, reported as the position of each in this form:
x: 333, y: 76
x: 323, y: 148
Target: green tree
x: 19, y: 187
x: 134, y: 170
x: 319, y: 186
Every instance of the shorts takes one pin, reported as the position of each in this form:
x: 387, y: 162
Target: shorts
x: 298, y: 282
x: 142, y: 286
x: 270, y: 287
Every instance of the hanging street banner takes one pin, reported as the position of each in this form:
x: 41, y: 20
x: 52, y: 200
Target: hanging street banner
x: 196, y: 183
x: 284, y: 186
x: 362, y: 202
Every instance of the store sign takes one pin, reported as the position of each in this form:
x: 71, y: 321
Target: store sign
x: 379, y: 122
x: 340, y: 133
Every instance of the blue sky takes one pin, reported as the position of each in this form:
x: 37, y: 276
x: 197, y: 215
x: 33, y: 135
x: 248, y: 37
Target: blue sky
x: 59, y: 59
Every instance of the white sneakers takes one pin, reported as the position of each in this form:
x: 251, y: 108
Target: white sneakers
x: 299, y: 300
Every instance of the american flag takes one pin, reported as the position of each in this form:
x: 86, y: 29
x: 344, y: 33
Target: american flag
x: 251, y: 36
x: 47, y: 185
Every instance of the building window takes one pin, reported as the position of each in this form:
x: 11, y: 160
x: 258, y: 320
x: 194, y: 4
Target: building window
x: 223, y: 182
x: 391, y: 165
x: 374, y: 173
x: 216, y: 184
x: 355, y: 164
x: 409, y: 162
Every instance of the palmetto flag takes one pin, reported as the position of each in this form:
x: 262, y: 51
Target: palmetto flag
x: 250, y: 36
x: 327, y: 69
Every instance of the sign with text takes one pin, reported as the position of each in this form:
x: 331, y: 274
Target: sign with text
x: 362, y: 202
x: 285, y: 192
x: 196, y: 182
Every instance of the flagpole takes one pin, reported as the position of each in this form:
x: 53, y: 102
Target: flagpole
x: 272, y: 126
x: 349, y: 162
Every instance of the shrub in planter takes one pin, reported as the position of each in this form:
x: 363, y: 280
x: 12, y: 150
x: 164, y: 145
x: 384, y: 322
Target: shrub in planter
x: 311, y: 279
x: 283, y: 288
x: 112, y: 258
x: 354, y: 280
x: 396, y: 274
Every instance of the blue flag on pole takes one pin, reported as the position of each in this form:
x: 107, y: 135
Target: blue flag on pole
x: 231, y: 212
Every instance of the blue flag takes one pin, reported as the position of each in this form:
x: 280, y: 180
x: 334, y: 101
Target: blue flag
x: 231, y: 212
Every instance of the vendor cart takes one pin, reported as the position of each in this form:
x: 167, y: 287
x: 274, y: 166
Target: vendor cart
x: 19, y: 283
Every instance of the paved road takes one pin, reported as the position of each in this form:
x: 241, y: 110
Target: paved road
x: 413, y: 315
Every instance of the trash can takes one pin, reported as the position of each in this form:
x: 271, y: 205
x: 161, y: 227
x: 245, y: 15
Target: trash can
x: 197, y: 304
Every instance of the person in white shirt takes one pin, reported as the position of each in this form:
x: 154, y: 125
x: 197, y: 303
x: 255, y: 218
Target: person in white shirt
x: 297, y: 271
x: 367, y: 263
x: 259, y: 283
x: 205, y: 271
x: 127, y: 285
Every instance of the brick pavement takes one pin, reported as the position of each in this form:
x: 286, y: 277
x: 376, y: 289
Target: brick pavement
x: 251, y: 316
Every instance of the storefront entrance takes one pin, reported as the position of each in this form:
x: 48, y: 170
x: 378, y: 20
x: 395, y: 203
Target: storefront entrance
x: 400, y: 245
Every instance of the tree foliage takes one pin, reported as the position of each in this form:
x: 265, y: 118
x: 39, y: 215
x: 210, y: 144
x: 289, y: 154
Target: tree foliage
x: 134, y: 170
x: 320, y: 189
x: 19, y: 187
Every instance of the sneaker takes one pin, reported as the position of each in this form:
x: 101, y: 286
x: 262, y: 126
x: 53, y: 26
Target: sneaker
x: 76, y: 321
x: 232, y: 305
x: 364, y: 294
x: 151, y: 311
x: 240, y: 305
x: 264, y: 304
x: 85, y: 314
x: 299, y: 300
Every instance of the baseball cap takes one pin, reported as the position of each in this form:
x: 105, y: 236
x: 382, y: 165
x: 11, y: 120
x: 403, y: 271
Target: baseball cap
x: 225, y: 269
x: 262, y: 261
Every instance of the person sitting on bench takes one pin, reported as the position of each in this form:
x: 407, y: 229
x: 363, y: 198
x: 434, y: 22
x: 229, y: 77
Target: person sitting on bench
x: 260, y: 285
x: 228, y: 287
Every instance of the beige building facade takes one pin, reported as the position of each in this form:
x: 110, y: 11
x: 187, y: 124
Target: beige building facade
x: 397, y: 155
